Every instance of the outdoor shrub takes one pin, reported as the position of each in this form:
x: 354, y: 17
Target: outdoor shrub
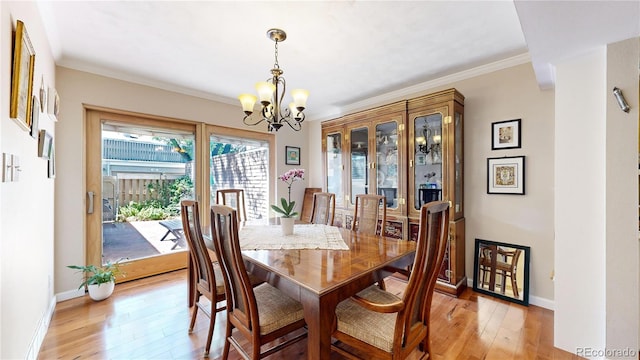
x: 152, y: 213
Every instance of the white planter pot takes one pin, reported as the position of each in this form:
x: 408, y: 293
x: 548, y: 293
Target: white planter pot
x: 287, y: 225
x: 101, y: 291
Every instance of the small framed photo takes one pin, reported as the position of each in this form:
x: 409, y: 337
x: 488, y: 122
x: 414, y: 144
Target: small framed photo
x: 45, y: 145
x: 53, y: 103
x: 421, y: 159
x: 505, y: 175
x: 51, y: 165
x: 292, y: 155
x: 505, y: 134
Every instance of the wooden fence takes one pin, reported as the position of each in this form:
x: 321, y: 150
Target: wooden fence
x: 120, y: 191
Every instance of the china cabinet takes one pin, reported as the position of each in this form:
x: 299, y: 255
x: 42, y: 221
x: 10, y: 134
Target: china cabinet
x: 410, y: 151
x: 368, y: 150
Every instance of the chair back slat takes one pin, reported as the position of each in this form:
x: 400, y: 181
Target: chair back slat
x: 324, y: 208
x: 366, y: 216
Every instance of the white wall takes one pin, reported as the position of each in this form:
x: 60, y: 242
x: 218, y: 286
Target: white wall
x: 623, y: 263
x: 580, y: 201
x: 26, y: 251
x: 596, y: 202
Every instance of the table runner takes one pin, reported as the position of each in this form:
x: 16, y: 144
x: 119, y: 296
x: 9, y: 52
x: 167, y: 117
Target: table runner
x: 305, y: 236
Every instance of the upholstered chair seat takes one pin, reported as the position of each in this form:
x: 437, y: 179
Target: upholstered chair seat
x: 275, y: 310
x: 372, y: 327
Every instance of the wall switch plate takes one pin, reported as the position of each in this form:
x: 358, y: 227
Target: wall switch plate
x: 15, y: 176
x: 7, y: 167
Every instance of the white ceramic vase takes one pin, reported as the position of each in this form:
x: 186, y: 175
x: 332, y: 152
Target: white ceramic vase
x: 287, y: 225
x: 99, y: 292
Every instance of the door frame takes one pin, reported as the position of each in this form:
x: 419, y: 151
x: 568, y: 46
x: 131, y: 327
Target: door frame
x: 94, y: 117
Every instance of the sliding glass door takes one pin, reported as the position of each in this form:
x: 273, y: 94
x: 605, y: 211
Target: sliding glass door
x: 138, y: 170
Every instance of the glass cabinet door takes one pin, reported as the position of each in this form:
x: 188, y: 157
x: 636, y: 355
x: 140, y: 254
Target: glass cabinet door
x: 334, y: 165
x: 427, y: 169
x: 386, y: 142
x: 359, y: 162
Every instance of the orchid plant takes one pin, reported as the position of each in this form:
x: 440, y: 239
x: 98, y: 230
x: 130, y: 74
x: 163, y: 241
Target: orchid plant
x: 289, y: 177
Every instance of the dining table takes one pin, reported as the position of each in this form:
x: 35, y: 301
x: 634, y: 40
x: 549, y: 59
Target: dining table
x: 321, y: 278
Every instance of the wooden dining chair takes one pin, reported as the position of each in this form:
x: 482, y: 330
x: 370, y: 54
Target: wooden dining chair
x: 235, y: 199
x: 381, y: 325
x: 366, y: 215
x: 260, y: 314
x: 324, y: 208
x: 207, y: 277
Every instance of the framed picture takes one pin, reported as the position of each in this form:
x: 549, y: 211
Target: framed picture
x: 505, y: 134
x: 35, y: 114
x: 53, y: 103
x: 421, y: 159
x: 51, y: 164
x: 24, y: 58
x: 292, y: 155
x: 45, y: 145
x: 505, y: 175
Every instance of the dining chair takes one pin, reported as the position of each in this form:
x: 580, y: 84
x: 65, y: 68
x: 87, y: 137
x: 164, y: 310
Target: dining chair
x: 367, y: 214
x: 260, y: 314
x: 307, y: 204
x: 235, y: 197
x: 324, y: 208
x: 207, y: 280
x: 382, y: 325
x: 506, y: 266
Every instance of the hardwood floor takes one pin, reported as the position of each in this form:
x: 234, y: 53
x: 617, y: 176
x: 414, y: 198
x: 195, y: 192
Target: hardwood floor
x: 148, y: 319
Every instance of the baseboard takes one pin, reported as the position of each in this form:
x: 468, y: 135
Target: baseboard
x: 41, y: 331
x: 542, y: 302
x: 533, y: 300
x: 71, y: 294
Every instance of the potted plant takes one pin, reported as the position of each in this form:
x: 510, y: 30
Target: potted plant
x: 99, y: 280
x: 287, y: 210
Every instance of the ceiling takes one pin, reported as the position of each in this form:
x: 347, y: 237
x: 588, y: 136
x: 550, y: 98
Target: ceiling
x: 344, y: 52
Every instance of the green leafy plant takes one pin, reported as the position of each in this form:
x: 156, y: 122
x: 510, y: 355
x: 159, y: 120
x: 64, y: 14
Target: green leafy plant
x: 287, y: 205
x: 99, y: 274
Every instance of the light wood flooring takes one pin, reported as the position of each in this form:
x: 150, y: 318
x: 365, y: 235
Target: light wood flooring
x: 148, y: 319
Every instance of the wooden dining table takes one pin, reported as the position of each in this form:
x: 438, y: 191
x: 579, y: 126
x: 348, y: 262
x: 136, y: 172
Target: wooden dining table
x: 320, y: 279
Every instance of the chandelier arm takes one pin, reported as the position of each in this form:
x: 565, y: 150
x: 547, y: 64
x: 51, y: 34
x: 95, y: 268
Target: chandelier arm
x: 296, y: 126
x: 247, y: 117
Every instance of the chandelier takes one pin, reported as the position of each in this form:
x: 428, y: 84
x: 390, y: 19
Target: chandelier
x: 424, y: 145
x: 271, y: 93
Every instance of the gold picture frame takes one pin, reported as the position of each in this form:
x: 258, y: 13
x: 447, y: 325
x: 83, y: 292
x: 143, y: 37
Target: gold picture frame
x: 24, y: 58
